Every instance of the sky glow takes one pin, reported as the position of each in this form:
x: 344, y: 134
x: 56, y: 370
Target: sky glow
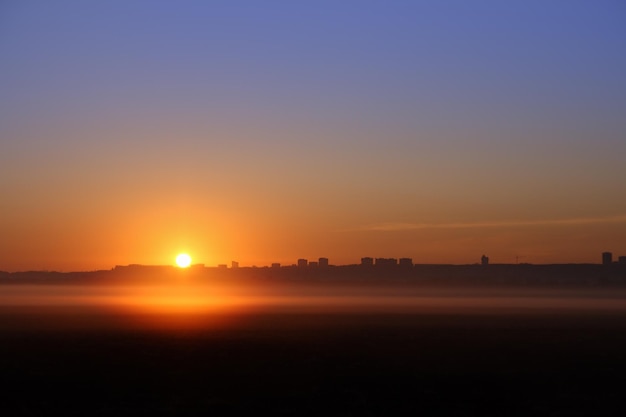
x: 269, y: 132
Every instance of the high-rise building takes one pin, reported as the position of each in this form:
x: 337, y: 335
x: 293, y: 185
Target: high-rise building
x: 276, y: 265
x: 607, y: 258
x: 323, y: 262
x: 385, y: 262
x: 302, y: 262
x: 367, y: 261
x: 406, y: 262
x: 235, y: 265
x: 484, y: 260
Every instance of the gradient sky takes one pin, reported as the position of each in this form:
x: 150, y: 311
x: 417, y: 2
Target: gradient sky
x: 268, y: 131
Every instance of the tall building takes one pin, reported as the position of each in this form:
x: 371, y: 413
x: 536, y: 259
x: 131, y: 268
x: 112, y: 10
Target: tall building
x: 484, y: 260
x: 406, y: 262
x: 323, y: 262
x: 367, y: 261
x: 302, y: 262
x: 235, y: 265
x: 622, y: 260
x: 607, y: 258
x: 386, y: 262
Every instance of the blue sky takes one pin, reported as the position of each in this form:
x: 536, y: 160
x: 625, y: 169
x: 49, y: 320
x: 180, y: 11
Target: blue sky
x: 323, y: 116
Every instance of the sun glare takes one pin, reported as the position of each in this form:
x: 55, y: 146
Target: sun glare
x: 183, y: 260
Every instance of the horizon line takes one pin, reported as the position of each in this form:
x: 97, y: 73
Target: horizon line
x: 295, y: 266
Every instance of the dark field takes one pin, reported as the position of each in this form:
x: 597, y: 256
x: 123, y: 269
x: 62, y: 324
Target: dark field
x: 445, y: 361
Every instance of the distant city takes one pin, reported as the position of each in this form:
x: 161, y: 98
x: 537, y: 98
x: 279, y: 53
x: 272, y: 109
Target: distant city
x: 607, y: 272
x: 607, y: 259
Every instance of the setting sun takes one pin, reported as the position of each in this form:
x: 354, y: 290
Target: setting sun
x: 183, y: 260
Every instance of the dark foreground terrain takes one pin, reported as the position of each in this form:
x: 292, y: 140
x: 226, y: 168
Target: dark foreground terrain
x: 83, y: 362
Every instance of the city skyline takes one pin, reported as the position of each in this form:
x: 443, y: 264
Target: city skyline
x: 605, y: 258
x: 312, y: 208
x: 130, y: 133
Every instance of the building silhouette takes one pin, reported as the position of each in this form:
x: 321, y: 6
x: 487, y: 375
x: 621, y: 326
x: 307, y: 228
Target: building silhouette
x: 323, y: 262
x: 302, y: 263
x: 484, y: 260
x: 622, y: 260
x: 235, y: 265
x: 406, y: 262
x: 367, y: 261
x: 607, y: 258
x: 385, y: 262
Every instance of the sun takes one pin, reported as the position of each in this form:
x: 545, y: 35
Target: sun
x: 183, y: 260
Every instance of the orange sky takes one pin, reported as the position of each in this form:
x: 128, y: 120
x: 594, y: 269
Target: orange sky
x: 440, y: 134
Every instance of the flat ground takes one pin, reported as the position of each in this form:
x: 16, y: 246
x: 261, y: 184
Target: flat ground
x: 496, y: 356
